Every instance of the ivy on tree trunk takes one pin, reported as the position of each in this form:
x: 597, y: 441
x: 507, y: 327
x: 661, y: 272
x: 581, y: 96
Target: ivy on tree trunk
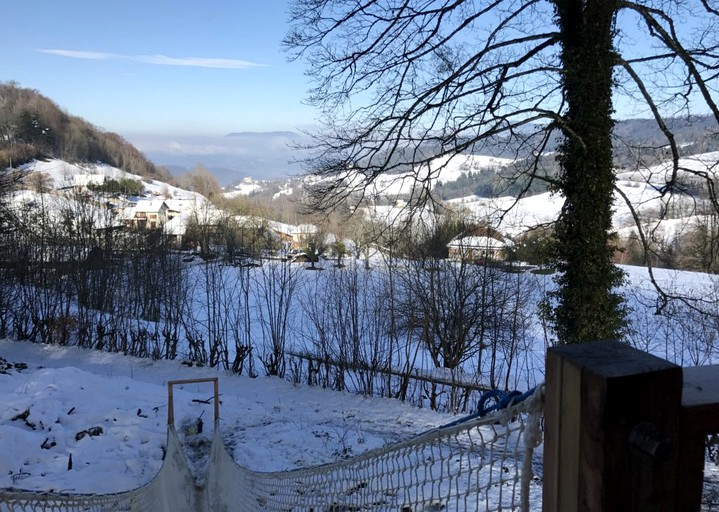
x: 587, y: 306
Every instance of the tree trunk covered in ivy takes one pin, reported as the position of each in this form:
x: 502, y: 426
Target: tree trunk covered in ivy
x: 587, y: 307
x: 407, y: 85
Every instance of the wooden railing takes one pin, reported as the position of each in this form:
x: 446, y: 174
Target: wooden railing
x: 171, y: 401
x: 625, y: 430
x: 314, y: 370
x: 699, y: 418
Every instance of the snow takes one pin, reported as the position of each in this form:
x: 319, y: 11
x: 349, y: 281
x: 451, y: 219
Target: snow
x: 65, y: 174
x: 243, y: 189
x: 481, y: 242
x: 437, y: 171
x: 291, y: 229
x: 641, y: 188
x: 269, y: 424
x: 61, y: 209
x: 287, y: 191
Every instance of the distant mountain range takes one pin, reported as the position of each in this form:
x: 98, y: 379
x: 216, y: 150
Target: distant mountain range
x: 263, y: 135
x: 33, y: 126
x: 260, y: 155
x: 275, y: 155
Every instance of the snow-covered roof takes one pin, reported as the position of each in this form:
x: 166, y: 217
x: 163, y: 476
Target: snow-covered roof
x: 176, y: 226
x: 149, y: 205
x: 290, y: 229
x: 249, y: 220
x: 185, y: 204
x: 476, y: 242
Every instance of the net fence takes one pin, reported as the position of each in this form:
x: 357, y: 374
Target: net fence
x: 480, y: 463
x: 172, y: 489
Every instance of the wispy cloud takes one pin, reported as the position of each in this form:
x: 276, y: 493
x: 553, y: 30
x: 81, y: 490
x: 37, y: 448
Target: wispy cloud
x: 199, y: 62
x: 81, y: 55
x: 160, y: 60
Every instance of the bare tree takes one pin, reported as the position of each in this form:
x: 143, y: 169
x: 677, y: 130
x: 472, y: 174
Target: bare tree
x: 202, y: 181
x: 216, y: 321
x: 275, y: 296
x: 403, y: 82
x: 10, y: 180
x: 445, y: 304
x: 44, y: 311
x: 10, y: 257
x: 242, y: 324
x: 348, y: 325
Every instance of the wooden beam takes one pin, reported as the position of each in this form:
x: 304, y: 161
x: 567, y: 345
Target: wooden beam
x: 700, y: 399
x: 412, y: 374
x: 612, y: 417
x: 700, y: 417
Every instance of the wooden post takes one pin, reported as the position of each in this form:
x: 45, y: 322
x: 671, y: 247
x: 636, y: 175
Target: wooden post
x: 612, y: 421
x: 171, y: 399
x: 700, y: 417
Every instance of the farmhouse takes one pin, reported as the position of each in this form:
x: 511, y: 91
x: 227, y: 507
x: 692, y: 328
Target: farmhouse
x: 148, y: 214
x: 293, y: 237
x: 479, y: 243
x: 204, y: 218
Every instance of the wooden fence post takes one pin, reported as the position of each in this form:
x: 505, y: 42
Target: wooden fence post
x: 700, y: 417
x: 612, y: 421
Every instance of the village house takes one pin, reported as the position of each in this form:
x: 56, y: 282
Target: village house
x: 294, y: 238
x: 148, y: 214
x: 479, y: 243
x: 186, y: 214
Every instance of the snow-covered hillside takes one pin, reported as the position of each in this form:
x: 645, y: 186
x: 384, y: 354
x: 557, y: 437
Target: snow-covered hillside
x: 65, y: 175
x: 639, y: 192
x: 68, y: 185
x: 247, y: 187
x: 439, y: 171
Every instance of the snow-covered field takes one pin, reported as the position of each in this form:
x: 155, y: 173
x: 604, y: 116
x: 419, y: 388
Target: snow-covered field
x: 82, y: 421
x: 270, y: 423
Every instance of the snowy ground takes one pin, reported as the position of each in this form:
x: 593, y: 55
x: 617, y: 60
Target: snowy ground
x: 271, y: 424
x: 110, y: 412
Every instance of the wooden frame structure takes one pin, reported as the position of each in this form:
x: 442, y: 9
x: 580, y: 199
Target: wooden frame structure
x: 625, y: 430
x: 171, y: 402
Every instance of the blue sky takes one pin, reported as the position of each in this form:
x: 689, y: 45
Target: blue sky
x: 163, y: 67
x: 176, y: 67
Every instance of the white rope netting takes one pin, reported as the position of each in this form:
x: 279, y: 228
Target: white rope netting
x: 478, y: 464
x: 172, y: 489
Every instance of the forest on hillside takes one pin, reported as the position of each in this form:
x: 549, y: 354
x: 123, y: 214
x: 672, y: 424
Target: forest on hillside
x: 34, y: 127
